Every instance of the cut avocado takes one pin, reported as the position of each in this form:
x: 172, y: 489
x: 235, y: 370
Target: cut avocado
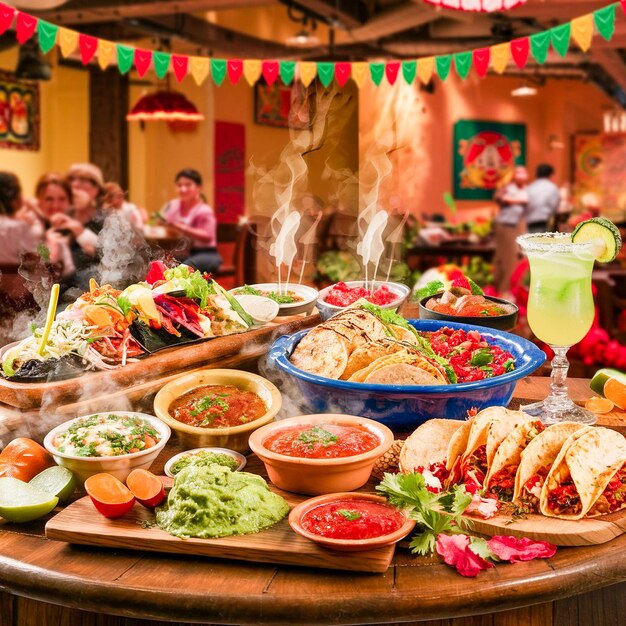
x: 600, y: 229
x: 601, y: 376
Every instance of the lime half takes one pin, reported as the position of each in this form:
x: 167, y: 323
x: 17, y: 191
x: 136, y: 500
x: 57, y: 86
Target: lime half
x: 21, y: 502
x: 57, y: 481
x: 599, y: 229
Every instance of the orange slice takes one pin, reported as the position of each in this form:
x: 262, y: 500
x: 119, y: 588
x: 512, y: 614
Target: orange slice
x: 599, y: 405
x: 615, y: 390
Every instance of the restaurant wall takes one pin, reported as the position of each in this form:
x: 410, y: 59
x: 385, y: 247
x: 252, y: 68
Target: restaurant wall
x: 418, y: 128
x: 64, y: 124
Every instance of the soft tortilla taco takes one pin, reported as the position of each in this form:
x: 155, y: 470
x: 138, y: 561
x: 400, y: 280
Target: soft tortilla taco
x: 588, y: 477
x: 426, y: 450
x: 489, y: 429
x: 500, y: 480
x: 537, y: 459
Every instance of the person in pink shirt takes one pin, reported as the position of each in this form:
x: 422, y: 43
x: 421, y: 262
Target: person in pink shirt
x: 190, y: 215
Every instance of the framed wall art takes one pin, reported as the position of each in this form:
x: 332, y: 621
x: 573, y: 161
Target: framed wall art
x: 19, y: 113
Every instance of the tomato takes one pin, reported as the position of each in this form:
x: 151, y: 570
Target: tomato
x: 23, y: 459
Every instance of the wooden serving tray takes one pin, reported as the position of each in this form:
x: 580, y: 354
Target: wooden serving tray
x: 172, y: 361
x: 585, y: 532
x: 80, y: 523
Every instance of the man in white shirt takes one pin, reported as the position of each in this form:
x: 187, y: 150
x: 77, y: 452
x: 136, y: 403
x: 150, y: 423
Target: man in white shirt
x: 543, y: 200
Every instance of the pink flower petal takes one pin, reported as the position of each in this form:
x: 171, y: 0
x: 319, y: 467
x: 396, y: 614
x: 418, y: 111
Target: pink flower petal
x: 455, y: 551
x: 512, y: 549
x: 482, y: 507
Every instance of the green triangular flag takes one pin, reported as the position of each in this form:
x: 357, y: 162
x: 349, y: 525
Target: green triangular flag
x: 377, y: 71
x: 218, y: 71
x: 409, y: 70
x: 125, y: 57
x: 442, y: 65
x: 287, y: 70
x: 161, y: 63
x: 463, y: 63
x: 560, y: 36
x: 539, y: 45
x: 604, y: 20
x: 47, y: 35
x: 326, y: 72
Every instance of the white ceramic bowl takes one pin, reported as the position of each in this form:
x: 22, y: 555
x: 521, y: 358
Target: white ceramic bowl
x: 240, y: 458
x: 328, y: 310
x: 120, y: 466
x: 305, y: 306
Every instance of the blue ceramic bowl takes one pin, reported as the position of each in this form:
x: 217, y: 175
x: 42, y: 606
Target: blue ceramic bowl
x: 403, y: 407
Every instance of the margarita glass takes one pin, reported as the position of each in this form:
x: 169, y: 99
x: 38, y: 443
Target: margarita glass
x: 560, y: 312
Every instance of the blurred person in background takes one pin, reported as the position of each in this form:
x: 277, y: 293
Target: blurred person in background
x: 544, y: 198
x: 512, y: 200
x: 191, y: 216
x: 115, y: 199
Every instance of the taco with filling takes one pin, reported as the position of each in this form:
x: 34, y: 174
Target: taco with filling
x: 588, y: 477
x: 536, y: 461
x: 500, y: 481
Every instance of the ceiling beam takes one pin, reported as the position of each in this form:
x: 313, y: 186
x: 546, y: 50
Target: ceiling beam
x: 343, y: 14
x: 612, y: 63
x: 557, y: 10
x: 88, y: 11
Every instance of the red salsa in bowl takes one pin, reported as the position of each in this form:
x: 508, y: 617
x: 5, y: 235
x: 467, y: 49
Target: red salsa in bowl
x: 343, y: 295
x: 322, y: 441
x: 352, y: 519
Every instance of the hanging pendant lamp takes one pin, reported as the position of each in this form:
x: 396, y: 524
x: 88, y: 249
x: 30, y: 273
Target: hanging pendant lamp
x: 485, y: 6
x: 165, y: 106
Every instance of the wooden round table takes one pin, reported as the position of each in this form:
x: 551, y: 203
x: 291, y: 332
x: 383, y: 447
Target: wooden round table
x: 37, y: 575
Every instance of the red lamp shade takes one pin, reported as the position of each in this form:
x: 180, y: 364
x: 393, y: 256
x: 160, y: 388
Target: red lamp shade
x: 486, y: 6
x: 165, y: 106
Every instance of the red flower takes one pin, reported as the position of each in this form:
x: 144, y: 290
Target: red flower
x: 455, y: 551
x: 511, y: 549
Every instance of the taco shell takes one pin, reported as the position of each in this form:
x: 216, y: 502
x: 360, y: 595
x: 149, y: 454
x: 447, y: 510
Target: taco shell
x: 591, y: 461
x: 543, y: 450
x: 323, y: 352
x: 365, y: 355
x: 428, y: 444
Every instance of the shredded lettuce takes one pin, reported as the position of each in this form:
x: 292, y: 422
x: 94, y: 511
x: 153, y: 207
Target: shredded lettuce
x: 430, y: 289
x: 194, y: 284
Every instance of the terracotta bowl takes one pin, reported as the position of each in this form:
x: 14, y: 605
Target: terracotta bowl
x: 346, y: 545
x: 320, y: 476
x: 233, y: 437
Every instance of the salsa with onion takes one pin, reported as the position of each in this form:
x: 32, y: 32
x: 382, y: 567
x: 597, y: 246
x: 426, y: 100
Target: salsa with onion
x: 343, y: 295
x: 352, y: 519
x: 322, y: 441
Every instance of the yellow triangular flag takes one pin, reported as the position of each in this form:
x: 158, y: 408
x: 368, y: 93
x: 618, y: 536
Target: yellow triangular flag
x: 360, y: 72
x: 252, y: 70
x: 68, y: 40
x: 307, y: 72
x: 425, y: 69
x: 582, y: 31
x: 500, y: 55
x: 106, y: 52
x: 199, y: 68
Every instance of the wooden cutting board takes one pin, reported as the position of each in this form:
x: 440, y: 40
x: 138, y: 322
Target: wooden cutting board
x: 80, y: 523
x: 560, y: 532
x: 176, y: 360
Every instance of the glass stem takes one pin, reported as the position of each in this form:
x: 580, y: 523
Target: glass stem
x: 560, y: 365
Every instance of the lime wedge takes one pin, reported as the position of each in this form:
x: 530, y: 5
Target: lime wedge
x: 601, y: 376
x: 21, y: 502
x: 57, y: 481
x: 601, y: 230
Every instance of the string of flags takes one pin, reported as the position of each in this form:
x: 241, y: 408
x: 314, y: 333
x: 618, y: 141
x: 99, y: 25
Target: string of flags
x: 107, y: 53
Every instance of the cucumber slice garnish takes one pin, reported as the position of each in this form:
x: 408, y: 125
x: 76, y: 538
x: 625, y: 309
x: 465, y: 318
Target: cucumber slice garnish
x: 600, y: 229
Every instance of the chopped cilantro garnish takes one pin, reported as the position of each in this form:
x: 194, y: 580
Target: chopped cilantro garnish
x: 349, y: 515
x: 317, y: 434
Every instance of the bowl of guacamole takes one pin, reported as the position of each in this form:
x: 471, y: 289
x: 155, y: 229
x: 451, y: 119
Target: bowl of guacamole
x: 202, y: 457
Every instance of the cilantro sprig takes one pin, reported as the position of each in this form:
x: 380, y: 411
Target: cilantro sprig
x: 317, y: 434
x: 349, y: 515
x: 410, y: 492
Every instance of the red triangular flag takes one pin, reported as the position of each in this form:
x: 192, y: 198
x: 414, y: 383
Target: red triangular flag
x: 519, y: 51
x: 180, y: 63
x: 88, y: 46
x: 6, y: 17
x: 234, y: 68
x: 391, y: 71
x: 481, y: 58
x: 623, y: 5
x: 343, y: 72
x: 143, y: 58
x: 25, y: 27
x: 270, y: 71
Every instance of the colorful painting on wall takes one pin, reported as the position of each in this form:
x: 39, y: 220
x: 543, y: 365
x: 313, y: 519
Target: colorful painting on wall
x: 587, y: 167
x: 282, y: 106
x: 19, y: 113
x: 484, y: 156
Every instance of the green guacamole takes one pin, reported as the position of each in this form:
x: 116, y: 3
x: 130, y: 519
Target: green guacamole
x: 213, y: 501
x: 202, y: 459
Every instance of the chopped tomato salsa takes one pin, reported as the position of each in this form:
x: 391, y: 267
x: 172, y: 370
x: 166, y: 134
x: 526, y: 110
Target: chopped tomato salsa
x: 352, y: 519
x: 342, y: 295
x: 613, y: 498
x: 502, y: 483
x: 469, y: 355
x: 565, y: 498
x: 531, y: 491
x: 474, y: 469
x: 322, y: 441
